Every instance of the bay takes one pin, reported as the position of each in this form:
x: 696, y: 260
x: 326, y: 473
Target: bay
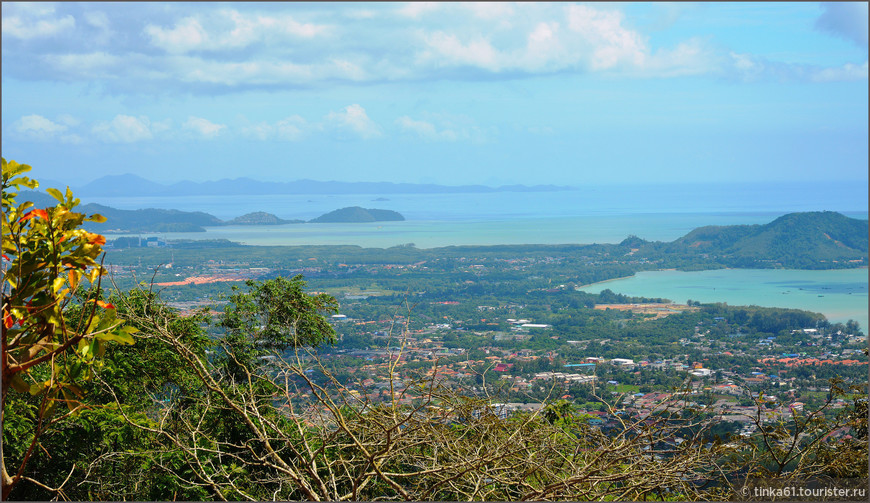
x: 838, y: 294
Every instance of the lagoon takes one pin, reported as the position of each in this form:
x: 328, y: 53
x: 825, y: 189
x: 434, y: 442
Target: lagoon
x: 838, y: 294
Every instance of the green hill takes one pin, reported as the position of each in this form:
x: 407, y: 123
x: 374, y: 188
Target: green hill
x: 793, y: 240
x: 149, y: 220
x: 356, y: 214
x: 260, y: 218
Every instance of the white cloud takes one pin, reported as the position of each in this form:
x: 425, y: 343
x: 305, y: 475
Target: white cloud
x: 97, y: 19
x: 444, y: 127
x: 203, y: 127
x: 259, y: 131
x: 447, y: 49
x: 425, y: 130
x: 72, y: 138
x: 748, y: 68
x: 187, y: 35
x: 222, y: 48
x: 842, y: 73
x: 360, y: 14
x: 611, y: 44
x: 292, y: 128
x: 38, y: 127
x: 288, y: 25
x: 91, y: 65
x: 417, y: 9
x: 581, y: 38
x: 22, y: 28
x: 353, y: 118
x: 230, y: 29
x: 124, y: 129
x: 68, y: 120
x: 490, y: 10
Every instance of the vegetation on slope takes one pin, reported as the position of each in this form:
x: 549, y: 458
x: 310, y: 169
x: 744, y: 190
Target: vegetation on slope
x: 260, y: 218
x: 356, y: 214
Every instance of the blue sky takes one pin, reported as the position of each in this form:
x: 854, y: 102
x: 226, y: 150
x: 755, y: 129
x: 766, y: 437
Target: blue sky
x: 446, y: 93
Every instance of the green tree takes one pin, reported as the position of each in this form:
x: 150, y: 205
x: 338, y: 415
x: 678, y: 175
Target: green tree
x: 273, y: 315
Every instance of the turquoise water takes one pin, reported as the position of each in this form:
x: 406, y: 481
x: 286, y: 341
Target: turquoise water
x: 838, y: 294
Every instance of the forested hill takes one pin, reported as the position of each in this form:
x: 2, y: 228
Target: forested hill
x: 356, y: 214
x: 793, y: 240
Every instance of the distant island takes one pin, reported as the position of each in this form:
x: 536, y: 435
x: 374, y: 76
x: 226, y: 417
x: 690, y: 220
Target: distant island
x: 261, y: 218
x: 356, y: 214
x: 161, y: 220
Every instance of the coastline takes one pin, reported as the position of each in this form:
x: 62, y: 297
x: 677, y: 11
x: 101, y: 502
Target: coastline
x: 617, y: 279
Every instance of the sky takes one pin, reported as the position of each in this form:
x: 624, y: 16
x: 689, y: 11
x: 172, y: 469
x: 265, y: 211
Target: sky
x: 447, y: 93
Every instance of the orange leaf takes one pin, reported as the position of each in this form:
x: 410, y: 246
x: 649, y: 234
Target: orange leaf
x: 7, y: 319
x: 35, y: 213
x: 94, y: 239
x: 105, y: 305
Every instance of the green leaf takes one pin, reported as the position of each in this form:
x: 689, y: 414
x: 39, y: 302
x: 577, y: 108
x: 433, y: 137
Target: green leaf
x: 57, y: 284
x: 119, y: 336
x: 55, y: 194
x: 19, y: 384
x: 38, y: 388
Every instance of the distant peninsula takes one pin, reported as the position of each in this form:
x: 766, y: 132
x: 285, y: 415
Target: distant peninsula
x: 356, y: 214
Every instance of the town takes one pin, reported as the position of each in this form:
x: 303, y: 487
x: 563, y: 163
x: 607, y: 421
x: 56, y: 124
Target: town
x: 515, y: 326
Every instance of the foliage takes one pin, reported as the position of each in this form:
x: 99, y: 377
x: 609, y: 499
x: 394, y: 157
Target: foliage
x: 47, y: 257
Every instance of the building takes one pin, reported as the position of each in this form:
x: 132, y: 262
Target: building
x: 623, y: 362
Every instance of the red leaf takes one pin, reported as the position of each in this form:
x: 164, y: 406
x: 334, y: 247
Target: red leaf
x: 105, y: 305
x: 35, y: 213
x: 6, y: 258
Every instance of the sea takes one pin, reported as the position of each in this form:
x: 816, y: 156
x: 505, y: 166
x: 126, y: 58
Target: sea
x: 584, y: 215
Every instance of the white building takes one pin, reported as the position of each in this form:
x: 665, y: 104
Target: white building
x: 622, y: 361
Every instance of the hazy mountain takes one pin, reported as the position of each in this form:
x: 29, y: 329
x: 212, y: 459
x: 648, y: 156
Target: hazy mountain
x: 133, y: 185
x: 120, y: 185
